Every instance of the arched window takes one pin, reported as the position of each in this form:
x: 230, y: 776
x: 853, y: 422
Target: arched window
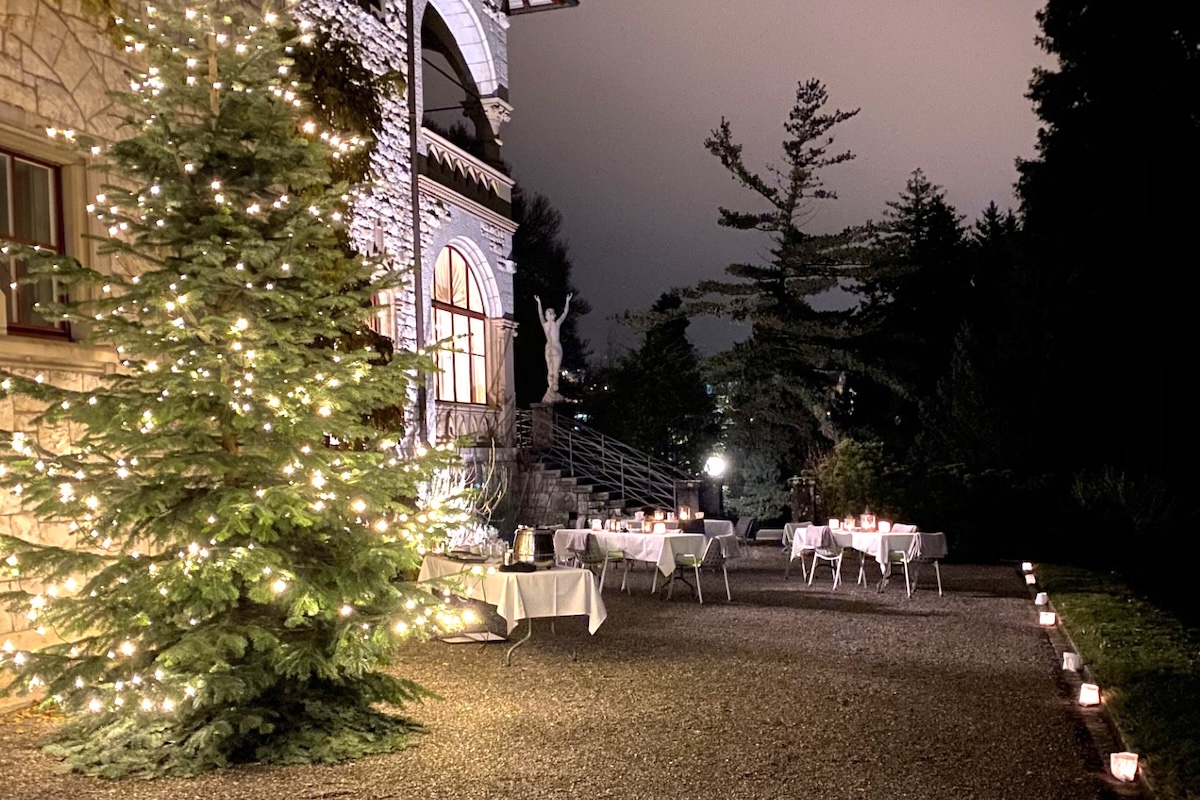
x: 458, y: 316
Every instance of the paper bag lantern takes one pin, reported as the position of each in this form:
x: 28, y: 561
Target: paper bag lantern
x: 1030, y: 579
x: 1089, y: 694
x: 1047, y: 619
x: 1041, y: 599
x: 1123, y: 765
x: 1026, y: 566
x: 1072, y: 662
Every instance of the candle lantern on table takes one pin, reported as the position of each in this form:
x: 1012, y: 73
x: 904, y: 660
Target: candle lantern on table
x: 867, y: 521
x: 660, y: 527
x: 848, y: 524
x: 885, y: 526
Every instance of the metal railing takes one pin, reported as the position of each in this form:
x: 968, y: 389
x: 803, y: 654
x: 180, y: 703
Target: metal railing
x: 610, y: 465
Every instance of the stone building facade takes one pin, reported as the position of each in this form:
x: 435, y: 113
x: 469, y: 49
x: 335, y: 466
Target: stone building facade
x: 437, y: 200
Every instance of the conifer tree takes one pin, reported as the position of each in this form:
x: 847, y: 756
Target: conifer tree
x: 914, y: 302
x: 239, y: 518
x: 779, y: 380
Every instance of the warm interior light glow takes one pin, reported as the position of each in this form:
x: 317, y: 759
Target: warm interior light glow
x: 1026, y: 566
x: 597, y: 524
x: 835, y: 524
x: 885, y: 526
x: 1124, y: 766
x: 1047, y: 619
x: 660, y: 527
x: 1089, y: 694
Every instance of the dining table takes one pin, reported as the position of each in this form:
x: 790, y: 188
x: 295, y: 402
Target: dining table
x: 555, y: 592
x: 929, y: 546
x: 660, y: 549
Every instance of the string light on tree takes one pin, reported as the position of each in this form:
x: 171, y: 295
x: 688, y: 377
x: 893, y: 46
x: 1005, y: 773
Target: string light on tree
x: 153, y: 619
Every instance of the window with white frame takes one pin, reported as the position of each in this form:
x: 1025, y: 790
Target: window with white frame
x: 458, y: 315
x: 30, y: 213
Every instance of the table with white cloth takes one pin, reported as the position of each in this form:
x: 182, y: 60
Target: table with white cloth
x: 659, y: 549
x: 928, y: 546
x: 877, y: 545
x: 556, y: 592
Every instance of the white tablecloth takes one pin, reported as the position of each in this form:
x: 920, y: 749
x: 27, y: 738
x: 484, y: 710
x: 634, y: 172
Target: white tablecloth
x: 657, y: 548
x: 930, y: 546
x: 557, y: 592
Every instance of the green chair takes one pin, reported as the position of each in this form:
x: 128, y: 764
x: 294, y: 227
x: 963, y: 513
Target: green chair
x: 713, y: 558
x: 594, y: 555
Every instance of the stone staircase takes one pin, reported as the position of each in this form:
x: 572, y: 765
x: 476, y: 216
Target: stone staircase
x: 570, y: 471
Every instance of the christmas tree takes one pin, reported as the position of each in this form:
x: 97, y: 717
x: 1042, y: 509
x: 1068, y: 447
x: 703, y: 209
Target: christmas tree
x: 240, y: 518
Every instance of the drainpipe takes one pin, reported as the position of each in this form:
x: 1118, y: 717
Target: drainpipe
x: 418, y: 273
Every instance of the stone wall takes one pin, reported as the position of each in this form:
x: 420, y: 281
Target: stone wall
x: 56, y: 67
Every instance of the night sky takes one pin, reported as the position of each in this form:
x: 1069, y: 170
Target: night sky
x: 613, y: 100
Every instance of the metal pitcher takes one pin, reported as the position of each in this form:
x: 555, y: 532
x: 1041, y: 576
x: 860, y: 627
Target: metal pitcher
x: 534, y: 547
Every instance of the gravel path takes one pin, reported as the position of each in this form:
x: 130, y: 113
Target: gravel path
x: 790, y: 691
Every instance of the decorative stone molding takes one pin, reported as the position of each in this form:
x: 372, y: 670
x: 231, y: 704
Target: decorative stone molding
x: 434, y: 189
x: 498, y: 112
x: 450, y: 155
x: 479, y: 424
x: 496, y: 238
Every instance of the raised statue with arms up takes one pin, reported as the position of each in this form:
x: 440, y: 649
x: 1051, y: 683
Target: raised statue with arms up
x: 554, y: 352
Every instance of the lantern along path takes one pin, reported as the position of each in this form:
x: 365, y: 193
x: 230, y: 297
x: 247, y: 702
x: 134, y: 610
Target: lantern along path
x: 790, y: 691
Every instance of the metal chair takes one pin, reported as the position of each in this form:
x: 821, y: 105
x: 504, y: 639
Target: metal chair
x: 713, y: 558
x: 795, y: 534
x: 594, y: 555
x: 741, y: 529
x: 829, y: 551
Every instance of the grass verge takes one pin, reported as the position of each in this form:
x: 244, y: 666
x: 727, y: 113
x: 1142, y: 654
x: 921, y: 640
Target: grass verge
x: 1147, y: 665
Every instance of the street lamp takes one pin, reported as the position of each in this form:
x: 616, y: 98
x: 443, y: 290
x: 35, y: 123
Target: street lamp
x: 712, y: 501
x: 714, y: 467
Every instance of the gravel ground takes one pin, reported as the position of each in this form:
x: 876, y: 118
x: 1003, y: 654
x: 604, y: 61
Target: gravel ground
x: 790, y: 691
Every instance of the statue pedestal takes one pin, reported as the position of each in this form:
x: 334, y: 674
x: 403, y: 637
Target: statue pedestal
x: 543, y: 424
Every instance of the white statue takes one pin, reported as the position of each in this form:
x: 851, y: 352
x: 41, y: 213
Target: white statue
x: 554, y: 353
